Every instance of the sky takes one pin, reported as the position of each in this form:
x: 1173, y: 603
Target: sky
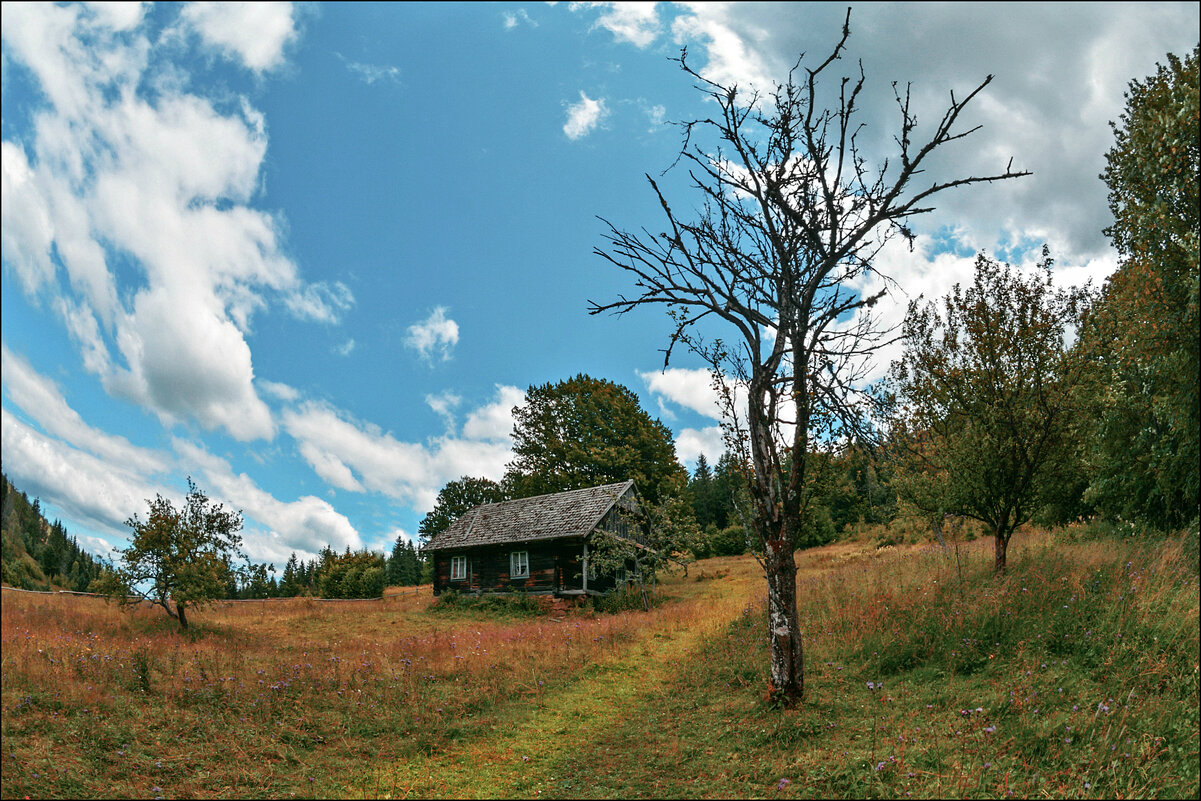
x: 313, y: 255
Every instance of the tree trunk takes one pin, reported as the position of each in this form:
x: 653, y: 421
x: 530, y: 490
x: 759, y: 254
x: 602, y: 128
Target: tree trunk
x: 183, y: 618
x: 1000, y: 543
x: 786, y: 682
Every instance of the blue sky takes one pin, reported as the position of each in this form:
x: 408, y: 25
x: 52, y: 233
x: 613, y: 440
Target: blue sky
x: 312, y: 255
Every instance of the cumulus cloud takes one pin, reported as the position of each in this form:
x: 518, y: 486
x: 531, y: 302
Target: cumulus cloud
x: 692, y: 443
x: 1061, y: 71
x: 163, y: 183
x: 435, y: 335
x: 733, y: 43
x: 355, y: 454
x: 584, y: 116
x: 305, y: 524
x: 494, y: 421
x: 253, y: 33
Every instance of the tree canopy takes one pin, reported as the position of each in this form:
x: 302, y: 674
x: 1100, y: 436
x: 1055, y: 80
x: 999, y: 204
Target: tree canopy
x: 178, y: 558
x: 584, y: 432
x: 456, y: 498
x: 987, y: 395
x: 1145, y: 458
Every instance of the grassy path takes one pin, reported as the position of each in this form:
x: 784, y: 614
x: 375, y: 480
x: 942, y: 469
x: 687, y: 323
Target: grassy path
x: 529, y: 746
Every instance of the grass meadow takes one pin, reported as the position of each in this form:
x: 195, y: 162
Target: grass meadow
x: 1073, y: 675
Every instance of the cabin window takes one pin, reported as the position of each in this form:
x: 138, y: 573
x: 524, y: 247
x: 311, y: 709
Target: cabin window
x: 519, y: 564
x: 458, y: 568
x: 619, y: 575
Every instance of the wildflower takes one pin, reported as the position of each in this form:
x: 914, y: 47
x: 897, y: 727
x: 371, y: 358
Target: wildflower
x: 782, y: 784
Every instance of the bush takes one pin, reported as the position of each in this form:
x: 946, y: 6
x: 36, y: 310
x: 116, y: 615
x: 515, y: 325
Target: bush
x: 627, y: 599
x: 510, y: 605
x: 730, y: 541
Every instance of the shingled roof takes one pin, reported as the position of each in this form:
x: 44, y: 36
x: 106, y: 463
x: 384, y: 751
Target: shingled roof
x: 562, y: 514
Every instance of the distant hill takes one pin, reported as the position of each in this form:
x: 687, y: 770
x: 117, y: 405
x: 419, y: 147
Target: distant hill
x: 36, y: 554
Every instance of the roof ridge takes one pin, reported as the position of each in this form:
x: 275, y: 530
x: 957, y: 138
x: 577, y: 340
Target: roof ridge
x: 560, y: 492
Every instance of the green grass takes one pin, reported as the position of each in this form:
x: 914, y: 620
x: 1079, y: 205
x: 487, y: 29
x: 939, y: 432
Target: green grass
x: 1074, y: 675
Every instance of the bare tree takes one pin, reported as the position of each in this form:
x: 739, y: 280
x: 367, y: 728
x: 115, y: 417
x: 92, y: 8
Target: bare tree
x: 791, y: 219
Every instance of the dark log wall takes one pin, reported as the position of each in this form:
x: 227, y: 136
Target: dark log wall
x: 555, y: 565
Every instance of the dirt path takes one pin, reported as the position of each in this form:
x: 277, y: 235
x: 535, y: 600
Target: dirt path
x: 521, y: 760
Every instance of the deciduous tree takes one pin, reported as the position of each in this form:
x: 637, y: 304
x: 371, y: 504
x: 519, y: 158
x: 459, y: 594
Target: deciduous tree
x: 584, y: 432
x: 988, y: 398
x: 178, y: 559
x: 790, y: 218
x: 455, y: 499
x: 1146, y: 452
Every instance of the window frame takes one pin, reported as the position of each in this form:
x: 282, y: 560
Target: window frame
x: 519, y: 564
x: 458, y: 568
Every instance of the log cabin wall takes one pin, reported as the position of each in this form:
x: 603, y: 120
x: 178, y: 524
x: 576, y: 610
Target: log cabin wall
x: 555, y: 566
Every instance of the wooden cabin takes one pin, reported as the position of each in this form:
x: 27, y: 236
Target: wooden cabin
x: 535, y: 545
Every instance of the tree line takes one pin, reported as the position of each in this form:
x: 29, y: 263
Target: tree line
x: 38, y: 555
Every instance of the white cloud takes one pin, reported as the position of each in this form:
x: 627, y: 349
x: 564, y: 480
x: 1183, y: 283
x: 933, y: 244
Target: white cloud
x: 436, y: 334
x: 330, y: 468
x: 120, y: 16
x: 584, y: 116
x: 690, y: 388
x: 306, y: 524
x: 330, y: 440
x: 255, y: 33
x: 636, y: 23
x: 94, y: 492
x: 494, y: 421
x: 279, y: 391
x: 511, y: 19
x: 39, y: 398
x: 371, y: 73
x: 692, y: 443
x: 733, y: 45
x: 345, y: 348
x: 163, y: 185
x: 444, y: 406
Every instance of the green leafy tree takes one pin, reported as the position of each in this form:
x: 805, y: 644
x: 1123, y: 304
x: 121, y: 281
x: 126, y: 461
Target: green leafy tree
x: 987, y: 398
x: 584, y: 432
x: 1145, y: 458
x: 454, y: 500
x: 178, y: 559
